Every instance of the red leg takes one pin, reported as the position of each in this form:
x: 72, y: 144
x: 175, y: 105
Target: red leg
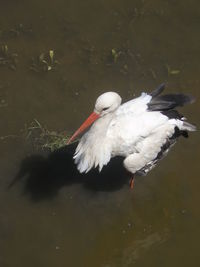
x: 132, y: 182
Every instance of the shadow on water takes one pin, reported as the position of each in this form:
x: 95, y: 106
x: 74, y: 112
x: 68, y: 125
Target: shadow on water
x: 45, y: 176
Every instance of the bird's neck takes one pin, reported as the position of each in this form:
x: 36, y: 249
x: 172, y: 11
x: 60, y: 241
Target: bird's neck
x: 94, y: 149
x: 101, y: 125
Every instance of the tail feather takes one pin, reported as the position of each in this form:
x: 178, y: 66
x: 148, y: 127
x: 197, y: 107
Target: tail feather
x: 188, y: 126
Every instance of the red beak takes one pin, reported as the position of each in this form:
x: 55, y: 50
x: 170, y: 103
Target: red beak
x: 93, y: 117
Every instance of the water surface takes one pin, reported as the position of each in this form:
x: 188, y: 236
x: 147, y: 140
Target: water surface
x: 52, y: 216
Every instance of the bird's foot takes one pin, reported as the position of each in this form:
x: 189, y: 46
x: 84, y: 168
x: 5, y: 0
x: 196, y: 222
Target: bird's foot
x: 132, y: 182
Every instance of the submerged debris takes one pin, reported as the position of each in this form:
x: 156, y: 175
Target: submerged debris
x: 6, y: 58
x: 3, y: 102
x: 45, y: 139
x: 44, y: 62
x: 16, y: 31
x: 3, y: 96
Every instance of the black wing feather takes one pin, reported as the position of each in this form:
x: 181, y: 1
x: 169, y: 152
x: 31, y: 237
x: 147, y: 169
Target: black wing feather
x: 158, y: 90
x: 170, y: 101
x: 172, y: 114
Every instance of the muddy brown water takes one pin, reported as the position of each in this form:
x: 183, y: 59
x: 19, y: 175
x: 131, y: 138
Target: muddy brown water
x: 52, y: 216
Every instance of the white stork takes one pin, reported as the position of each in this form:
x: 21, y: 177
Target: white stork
x: 141, y: 130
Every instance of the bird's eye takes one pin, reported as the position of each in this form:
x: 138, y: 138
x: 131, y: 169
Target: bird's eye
x: 105, y: 108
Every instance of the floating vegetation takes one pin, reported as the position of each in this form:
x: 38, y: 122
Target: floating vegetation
x: 45, y: 139
x: 6, y: 58
x: 41, y: 137
x: 172, y: 71
x: 120, y: 59
x: 115, y: 54
x: 44, y: 62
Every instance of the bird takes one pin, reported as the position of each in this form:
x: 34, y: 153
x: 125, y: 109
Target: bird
x: 142, y: 131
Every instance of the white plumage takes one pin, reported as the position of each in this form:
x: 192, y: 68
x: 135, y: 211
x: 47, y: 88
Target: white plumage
x: 141, y: 130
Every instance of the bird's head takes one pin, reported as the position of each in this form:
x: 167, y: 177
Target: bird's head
x: 105, y: 104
